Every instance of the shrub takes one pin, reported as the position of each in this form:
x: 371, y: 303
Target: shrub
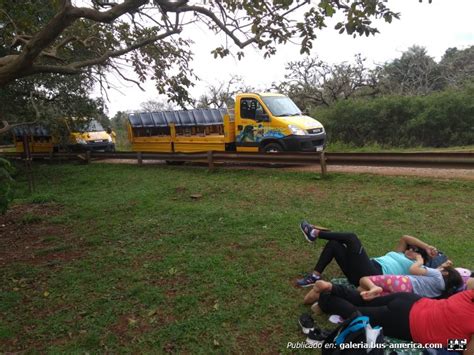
x: 438, y: 120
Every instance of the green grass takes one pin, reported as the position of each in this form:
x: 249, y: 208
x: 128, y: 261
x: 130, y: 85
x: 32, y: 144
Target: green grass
x: 161, y: 271
x: 30, y: 218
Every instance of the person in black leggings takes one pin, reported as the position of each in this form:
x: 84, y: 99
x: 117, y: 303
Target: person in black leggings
x: 408, y: 316
x: 391, y: 312
x: 350, y: 255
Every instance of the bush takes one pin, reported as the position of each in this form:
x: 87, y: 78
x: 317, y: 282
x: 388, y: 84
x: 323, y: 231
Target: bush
x: 6, y: 181
x: 438, y: 120
x: 42, y: 198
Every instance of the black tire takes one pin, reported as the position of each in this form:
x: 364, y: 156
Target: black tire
x: 272, y: 148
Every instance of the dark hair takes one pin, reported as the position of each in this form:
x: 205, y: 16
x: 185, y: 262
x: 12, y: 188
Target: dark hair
x: 421, y: 251
x: 452, y: 281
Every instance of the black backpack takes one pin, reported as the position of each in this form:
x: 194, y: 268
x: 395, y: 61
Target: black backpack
x: 352, y: 330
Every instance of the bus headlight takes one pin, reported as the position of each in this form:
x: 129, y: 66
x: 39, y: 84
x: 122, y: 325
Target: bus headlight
x: 296, y: 130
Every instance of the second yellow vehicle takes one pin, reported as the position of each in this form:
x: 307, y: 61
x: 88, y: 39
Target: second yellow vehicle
x: 72, y: 135
x: 264, y: 122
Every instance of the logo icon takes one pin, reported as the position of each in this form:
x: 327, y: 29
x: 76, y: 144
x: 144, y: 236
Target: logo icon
x: 457, y: 344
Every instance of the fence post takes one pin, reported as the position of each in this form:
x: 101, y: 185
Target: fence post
x: 139, y: 158
x: 88, y: 157
x: 28, y: 159
x: 210, y: 161
x: 322, y: 160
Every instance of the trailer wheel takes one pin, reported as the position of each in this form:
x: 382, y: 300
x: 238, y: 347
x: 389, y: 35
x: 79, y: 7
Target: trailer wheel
x: 272, y: 148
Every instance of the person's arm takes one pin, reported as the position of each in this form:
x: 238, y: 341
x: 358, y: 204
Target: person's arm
x: 416, y: 268
x: 470, y: 284
x: 470, y: 347
x: 407, y: 240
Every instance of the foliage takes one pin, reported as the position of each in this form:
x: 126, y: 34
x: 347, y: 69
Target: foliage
x: 119, y: 125
x: 222, y: 93
x: 414, y: 73
x: 156, y: 106
x: 457, y: 66
x: 163, y: 272
x: 6, y: 181
x: 49, y: 97
x: 440, y: 119
x: 60, y: 36
x: 312, y: 82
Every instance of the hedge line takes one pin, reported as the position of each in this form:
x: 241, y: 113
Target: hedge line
x: 438, y: 120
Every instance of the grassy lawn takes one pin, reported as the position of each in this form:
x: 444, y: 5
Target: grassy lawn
x: 120, y: 258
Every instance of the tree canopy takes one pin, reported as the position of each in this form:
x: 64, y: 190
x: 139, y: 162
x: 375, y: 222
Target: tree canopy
x: 311, y: 82
x: 222, y: 93
x: 58, y: 36
x: 46, y: 97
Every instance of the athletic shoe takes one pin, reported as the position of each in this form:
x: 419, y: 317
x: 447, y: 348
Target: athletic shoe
x: 316, y: 337
x: 308, y: 280
x: 307, y: 228
x: 306, y: 323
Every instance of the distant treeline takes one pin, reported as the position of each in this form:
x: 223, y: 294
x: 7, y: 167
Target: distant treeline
x: 410, y: 101
x: 440, y: 119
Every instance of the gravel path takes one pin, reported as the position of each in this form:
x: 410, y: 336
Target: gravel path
x: 437, y: 173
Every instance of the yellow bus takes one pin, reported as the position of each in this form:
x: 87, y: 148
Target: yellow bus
x: 259, y: 122
x: 80, y: 136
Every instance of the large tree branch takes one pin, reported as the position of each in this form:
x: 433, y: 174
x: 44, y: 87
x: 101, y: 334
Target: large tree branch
x: 7, y: 127
x: 75, y: 68
x: 20, y: 65
x: 218, y: 22
x: 109, y: 15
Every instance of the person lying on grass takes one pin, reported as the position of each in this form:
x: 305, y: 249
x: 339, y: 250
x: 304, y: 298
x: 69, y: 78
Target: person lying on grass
x: 350, y: 255
x: 467, y: 278
x: 426, y: 282
x: 443, y: 281
x: 408, y: 316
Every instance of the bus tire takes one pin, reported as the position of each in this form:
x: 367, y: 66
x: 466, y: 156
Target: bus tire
x: 272, y: 148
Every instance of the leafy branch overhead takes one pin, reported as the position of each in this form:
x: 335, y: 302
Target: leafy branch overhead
x: 59, y: 36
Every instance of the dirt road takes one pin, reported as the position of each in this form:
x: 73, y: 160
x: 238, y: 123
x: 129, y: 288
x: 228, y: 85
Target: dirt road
x: 437, y: 173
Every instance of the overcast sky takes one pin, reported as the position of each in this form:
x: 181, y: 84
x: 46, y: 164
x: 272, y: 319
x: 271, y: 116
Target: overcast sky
x: 436, y: 26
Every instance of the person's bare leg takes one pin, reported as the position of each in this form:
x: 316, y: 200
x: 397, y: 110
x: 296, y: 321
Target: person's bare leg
x: 369, y: 289
x: 313, y: 295
x: 316, y: 309
x: 371, y: 294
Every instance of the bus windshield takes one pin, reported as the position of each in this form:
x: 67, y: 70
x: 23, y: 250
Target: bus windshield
x: 281, y: 106
x: 90, y: 126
